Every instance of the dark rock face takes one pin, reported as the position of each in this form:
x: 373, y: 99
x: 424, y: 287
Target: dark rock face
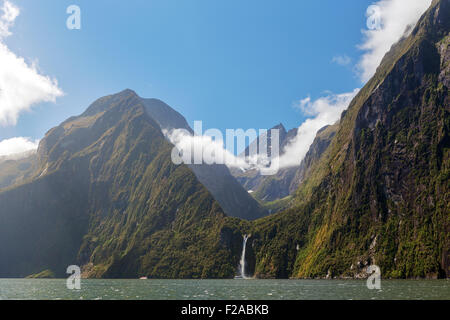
x: 380, y: 192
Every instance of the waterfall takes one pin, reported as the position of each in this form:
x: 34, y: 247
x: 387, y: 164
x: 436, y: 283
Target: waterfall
x: 242, y: 263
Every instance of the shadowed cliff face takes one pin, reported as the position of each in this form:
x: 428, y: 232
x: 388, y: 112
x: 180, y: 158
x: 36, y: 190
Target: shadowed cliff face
x: 380, y: 192
x: 106, y: 195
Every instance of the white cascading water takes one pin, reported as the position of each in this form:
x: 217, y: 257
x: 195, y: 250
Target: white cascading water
x: 242, y: 263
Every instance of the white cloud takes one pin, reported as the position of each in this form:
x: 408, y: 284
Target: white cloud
x: 342, y: 60
x: 21, y: 84
x: 10, y: 13
x: 211, y: 151
x: 17, y: 146
x: 324, y: 111
x: 396, y: 17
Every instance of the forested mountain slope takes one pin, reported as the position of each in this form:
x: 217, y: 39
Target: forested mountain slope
x: 106, y: 195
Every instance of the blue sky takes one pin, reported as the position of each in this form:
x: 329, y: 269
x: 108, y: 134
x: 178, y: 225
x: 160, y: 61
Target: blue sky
x: 231, y: 64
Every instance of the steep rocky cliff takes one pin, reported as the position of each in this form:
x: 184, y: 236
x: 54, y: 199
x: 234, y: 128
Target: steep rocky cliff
x: 380, y: 193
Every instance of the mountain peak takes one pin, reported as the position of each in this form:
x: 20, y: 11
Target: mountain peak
x: 281, y: 128
x: 127, y: 93
x: 106, y: 102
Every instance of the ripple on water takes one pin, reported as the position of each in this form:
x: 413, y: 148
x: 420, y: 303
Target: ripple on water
x: 223, y: 289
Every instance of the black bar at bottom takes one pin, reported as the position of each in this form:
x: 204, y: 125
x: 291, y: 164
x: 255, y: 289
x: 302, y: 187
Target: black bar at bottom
x: 258, y: 310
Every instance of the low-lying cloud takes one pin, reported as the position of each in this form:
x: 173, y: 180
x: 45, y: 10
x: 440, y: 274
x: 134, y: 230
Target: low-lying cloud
x: 211, y: 151
x: 397, y: 18
x: 17, y: 146
x: 323, y: 111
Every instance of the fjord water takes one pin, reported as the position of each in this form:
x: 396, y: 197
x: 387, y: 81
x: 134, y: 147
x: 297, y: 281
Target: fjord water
x: 34, y: 289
